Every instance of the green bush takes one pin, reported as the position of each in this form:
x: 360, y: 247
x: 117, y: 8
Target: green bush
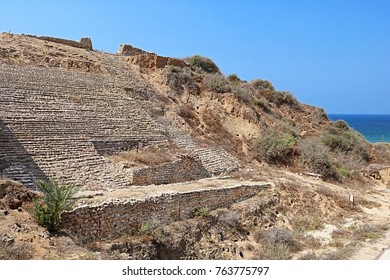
x: 201, y: 211
x: 217, y: 83
x: 56, y: 199
x: 343, y: 172
x: 204, y: 63
x: 341, y: 139
x: 274, y: 148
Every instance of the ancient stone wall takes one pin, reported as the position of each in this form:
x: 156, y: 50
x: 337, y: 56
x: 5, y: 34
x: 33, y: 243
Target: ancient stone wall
x: 187, y: 168
x: 115, y: 219
x: 84, y: 43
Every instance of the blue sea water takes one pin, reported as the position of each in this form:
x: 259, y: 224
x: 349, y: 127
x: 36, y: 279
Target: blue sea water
x: 375, y: 128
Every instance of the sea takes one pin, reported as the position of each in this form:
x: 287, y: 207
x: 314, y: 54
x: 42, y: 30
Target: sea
x: 375, y: 128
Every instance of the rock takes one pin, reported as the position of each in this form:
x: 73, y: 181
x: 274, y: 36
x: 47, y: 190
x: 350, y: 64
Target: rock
x: 7, y: 239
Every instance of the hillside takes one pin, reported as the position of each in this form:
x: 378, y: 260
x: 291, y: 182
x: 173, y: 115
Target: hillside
x: 159, y: 137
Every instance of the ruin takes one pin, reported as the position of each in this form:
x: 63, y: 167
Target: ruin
x: 59, y: 124
x: 118, y: 218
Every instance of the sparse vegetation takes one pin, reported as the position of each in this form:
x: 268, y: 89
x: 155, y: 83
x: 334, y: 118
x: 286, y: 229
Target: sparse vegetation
x: 56, y: 199
x: 277, y: 244
x: 149, y: 156
x: 22, y: 251
x: 308, y: 223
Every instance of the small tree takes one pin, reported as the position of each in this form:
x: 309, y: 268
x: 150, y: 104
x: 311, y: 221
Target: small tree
x: 56, y: 199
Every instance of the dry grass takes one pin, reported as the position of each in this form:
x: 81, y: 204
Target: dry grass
x: 308, y: 222
x: 21, y: 251
x: 150, y: 156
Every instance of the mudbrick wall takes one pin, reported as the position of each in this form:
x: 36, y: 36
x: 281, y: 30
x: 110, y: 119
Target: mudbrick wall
x: 115, y: 219
x: 187, y: 168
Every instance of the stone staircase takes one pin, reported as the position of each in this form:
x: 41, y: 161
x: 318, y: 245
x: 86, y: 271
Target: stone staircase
x: 51, y: 118
x: 214, y: 159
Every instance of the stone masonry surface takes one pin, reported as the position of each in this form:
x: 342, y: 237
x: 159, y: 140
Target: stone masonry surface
x: 115, y: 219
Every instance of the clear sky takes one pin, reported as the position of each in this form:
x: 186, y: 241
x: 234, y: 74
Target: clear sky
x: 334, y: 54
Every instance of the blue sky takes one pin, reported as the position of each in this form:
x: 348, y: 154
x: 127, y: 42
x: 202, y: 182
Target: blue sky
x: 331, y: 54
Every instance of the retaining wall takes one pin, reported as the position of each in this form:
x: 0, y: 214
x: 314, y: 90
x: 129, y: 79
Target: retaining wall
x: 188, y: 168
x: 115, y: 219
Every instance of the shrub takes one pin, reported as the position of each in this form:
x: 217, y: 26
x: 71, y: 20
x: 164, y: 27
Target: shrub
x: 201, y: 211
x: 56, y: 199
x: 178, y: 80
x: 341, y: 139
x: 316, y: 156
x: 280, y: 97
x: 343, y: 172
x: 147, y: 228
x: 204, y: 63
x: 233, y: 78
x: 274, y: 148
x: 277, y: 244
x: 243, y: 92
x: 217, y: 83
x: 276, y: 236
x: 262, y: 85
x: 230, y: 218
